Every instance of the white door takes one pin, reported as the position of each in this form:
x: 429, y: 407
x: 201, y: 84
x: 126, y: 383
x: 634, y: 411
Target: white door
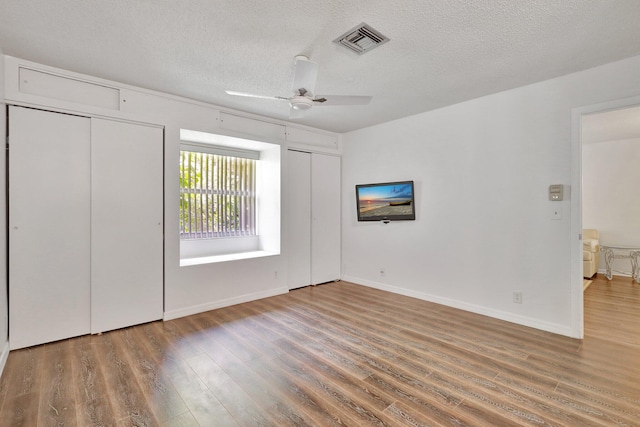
x: 325, y: 224
x: 49, y: 228
x: 126, y: 228
x: 299, y: 219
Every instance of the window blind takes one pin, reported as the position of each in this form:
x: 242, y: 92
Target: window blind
x: 217, y: 195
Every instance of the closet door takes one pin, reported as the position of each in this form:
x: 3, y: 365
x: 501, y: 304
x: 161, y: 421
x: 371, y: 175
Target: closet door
x: 126, y: 228
x: 325, y: 224
x: 299, y: 219
x: 49, y: 229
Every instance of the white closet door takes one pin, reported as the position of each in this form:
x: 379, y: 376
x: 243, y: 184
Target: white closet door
x: 126, y: 228
x: 299, y: 219
x: 325, y: 224
x: 49, y: 229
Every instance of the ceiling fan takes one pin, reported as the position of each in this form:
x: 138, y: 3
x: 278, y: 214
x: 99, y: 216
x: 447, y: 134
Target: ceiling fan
x: 304, y: 82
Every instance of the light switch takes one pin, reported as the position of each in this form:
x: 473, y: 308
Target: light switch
x: 555, y: 192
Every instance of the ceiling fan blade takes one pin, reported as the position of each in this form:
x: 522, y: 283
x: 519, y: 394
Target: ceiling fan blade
x: 295, y: 114
x: 305, y: 76
x: 252, y: 95
x: 341, y: 100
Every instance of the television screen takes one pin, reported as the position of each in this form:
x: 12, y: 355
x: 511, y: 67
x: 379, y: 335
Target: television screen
x: 389, y: 201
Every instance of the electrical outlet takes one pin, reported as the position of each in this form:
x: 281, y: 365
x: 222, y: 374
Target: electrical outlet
x: 517, y: 297
x: 382, y: 272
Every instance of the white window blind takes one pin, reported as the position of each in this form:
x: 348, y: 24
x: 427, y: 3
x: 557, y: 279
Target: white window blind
x: 217, y: 195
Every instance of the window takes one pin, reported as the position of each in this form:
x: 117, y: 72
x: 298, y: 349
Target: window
x: 217, y: 194
x: 228, y: 198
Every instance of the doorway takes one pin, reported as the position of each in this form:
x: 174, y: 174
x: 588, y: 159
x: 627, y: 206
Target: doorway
x: 595, y: 130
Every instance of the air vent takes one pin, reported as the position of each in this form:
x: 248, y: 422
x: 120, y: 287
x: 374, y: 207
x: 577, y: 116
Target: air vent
x: 361, y: 39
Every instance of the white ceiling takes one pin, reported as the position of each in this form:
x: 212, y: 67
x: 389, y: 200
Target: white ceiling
x: 441, y: 51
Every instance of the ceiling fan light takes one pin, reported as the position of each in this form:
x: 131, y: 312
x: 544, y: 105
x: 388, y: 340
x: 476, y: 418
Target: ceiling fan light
x: 300, y: 107
x: 300, y: 103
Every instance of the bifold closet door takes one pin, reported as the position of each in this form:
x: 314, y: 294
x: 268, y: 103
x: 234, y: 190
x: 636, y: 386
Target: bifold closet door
x: 325, y: 224
x: 313, y: 222
x: 126, y: 227
x: 299, y: 219
x: 49, y: 226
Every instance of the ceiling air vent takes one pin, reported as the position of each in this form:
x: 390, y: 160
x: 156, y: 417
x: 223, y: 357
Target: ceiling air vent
x: 361, y: 39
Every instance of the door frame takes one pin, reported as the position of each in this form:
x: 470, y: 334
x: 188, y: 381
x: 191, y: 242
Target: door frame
x: 577, y: 293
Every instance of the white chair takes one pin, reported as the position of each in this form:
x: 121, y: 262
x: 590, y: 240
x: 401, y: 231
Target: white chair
x: 590, y: 252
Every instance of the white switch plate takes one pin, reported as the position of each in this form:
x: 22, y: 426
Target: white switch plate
x: 556, y: 212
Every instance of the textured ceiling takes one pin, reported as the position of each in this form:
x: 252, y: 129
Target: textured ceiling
x: 441, y: 51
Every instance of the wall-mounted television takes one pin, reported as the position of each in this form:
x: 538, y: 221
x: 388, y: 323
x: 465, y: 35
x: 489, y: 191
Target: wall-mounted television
x: 387, y: 201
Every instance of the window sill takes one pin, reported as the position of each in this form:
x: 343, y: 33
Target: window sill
x: 186, y: 262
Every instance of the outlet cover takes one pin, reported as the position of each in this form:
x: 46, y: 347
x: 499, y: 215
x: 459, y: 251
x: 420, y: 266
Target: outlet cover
x: 517, y: 297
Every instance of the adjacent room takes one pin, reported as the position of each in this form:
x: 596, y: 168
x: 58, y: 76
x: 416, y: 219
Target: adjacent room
x: 319, y: 213
x: 610, y: 151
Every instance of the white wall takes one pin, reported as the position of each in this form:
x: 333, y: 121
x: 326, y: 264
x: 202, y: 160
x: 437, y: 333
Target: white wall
x: 610, y: 202
x: 483, y: 225
x: 4, y: 309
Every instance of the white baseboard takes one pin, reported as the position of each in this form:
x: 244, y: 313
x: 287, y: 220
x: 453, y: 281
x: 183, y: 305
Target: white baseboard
x: 4, y: 355
x: 200, y: 308
x: 603, y: 272
x: 473, y: 308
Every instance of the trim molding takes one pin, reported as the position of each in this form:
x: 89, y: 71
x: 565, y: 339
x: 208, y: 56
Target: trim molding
x: 4, y: 355
x: 213, y: 305
x: 497, y: 314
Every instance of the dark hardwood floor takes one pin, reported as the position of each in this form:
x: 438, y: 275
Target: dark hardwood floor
x: 337, y: 354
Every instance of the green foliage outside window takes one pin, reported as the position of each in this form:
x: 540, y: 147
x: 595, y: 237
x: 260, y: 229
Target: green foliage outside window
x: 217, y: 196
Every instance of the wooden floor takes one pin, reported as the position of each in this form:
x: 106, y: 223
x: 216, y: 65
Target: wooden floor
x: 337, y: 354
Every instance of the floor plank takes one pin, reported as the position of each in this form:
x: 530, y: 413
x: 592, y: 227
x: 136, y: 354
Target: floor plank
x: 338, y: 355
x: 57, y: 392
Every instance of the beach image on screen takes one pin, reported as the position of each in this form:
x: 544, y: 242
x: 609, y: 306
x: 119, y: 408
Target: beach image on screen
x: 385, y: 200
